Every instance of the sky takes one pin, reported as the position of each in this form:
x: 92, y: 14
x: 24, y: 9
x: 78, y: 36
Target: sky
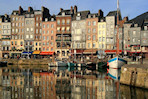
x: 130, y: 8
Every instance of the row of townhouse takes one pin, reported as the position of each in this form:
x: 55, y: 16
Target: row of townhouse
x: 36, y: 32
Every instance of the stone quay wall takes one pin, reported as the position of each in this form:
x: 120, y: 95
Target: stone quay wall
x: 135, y: 75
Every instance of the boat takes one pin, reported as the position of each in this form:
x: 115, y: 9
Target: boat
x: 102, y: 64
x: 117, y: 61
x: 91, y: 66
x: 3, y: 64
x: 114, y: 73
x: 61, y: 64
x: 71, y: 66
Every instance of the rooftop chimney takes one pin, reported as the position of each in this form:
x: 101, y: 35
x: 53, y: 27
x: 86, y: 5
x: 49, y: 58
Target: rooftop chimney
x: 71, y: 10
x: 75, y: 9
x: 30, y: 9
x: 20, y: 10
x: 100, y: 13
x: 61, y: 9
x: 125, y: 19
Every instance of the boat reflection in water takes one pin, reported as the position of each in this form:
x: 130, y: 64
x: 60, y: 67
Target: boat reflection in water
x: 62, y: 84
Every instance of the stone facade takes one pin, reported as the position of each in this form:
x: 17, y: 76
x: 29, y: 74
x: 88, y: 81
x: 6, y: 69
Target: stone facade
x: 29, y: 32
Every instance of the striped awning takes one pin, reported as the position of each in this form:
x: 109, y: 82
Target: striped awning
x: 36, y: 52
x: 46, y: 53
x: 26, y: 53
x: 90, y: 51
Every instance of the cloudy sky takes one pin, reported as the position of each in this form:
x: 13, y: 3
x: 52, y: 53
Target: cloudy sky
x: 130, y: 8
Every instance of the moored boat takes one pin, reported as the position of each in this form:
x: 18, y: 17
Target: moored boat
x: 116, y: 62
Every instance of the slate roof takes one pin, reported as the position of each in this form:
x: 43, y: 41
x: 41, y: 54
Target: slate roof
x: 114, y: 13
x: 139, y: 19
x: 83, y: 14
x: 67, y: 12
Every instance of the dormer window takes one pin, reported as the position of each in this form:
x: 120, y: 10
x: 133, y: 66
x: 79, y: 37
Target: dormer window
x: 89, y: 16
x: 135, y: 25
x: 94, y: 16
x: 63, y: 13
x: 78, y: 14
x: 145, y: 27
x: 14, y: 13
x: 52, y: 19
x: 46, y: 19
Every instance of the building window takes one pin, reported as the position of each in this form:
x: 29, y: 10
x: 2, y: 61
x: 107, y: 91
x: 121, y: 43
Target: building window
x: 78, y: 45
x: 94, y: 30
x: 52, y: 32
x: 68, y: 21
x: 94, y: 23
x: 63, y: 21
x: 88, y: 45
x: 44, y: 26
x: 134, y: 33
x: 47, y: 31
x: 63, y: 53
x: 94, y: 45
x: 88, y: 30
x: 27, y: 29
x: 89, y: 23
x: 52, y: 26
x: 94, y: 37
x: 133, y: 40
x: 89, y: 37
x: 51, y: 37
x: 47, y: 25
x: 58, y: 22
x: 43, y: 37
x: 47, y: 37
x: 99, y: 39
x: 31, y: 29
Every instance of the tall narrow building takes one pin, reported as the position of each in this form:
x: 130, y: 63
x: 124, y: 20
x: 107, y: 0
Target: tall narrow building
x: 6, y: 36
x: 78, y: 32
x: 49, y: 36
x: 63, y: 34
x: 17, y: 35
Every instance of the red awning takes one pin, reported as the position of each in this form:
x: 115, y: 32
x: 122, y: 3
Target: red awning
x: 46, y: 53
x: 78, y: 51
x: 112, y: 51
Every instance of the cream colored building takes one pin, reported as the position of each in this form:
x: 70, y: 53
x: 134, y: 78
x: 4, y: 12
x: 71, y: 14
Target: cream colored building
x: 102, y: 35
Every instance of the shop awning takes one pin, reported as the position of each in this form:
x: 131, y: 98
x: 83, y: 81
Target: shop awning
x: 26, y: 53
x: 46, y: 53
x: 77, y: 51
x: 90, y: 51
x: 36, y: 52
x: 112, y: 51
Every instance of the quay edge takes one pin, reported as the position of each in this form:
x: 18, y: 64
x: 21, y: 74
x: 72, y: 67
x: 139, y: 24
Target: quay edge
x: 135, y: 75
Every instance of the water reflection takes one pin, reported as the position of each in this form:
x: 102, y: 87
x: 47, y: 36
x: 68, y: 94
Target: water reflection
x: 18, y: 83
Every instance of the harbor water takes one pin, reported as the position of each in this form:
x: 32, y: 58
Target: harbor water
x: 59, y: 83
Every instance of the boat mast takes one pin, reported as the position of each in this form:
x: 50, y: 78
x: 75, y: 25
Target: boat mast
x: 117, y: 36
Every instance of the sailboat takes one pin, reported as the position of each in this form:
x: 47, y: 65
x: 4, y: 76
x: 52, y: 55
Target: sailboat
x: 117, y: 61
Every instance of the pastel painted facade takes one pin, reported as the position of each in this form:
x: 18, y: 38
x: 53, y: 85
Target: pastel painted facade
x: 17, y: 35
x: 6, y: 36
x: 92, y: 31
x: 102, y: 34
x: 49, y: 35
x: 63, y: 33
